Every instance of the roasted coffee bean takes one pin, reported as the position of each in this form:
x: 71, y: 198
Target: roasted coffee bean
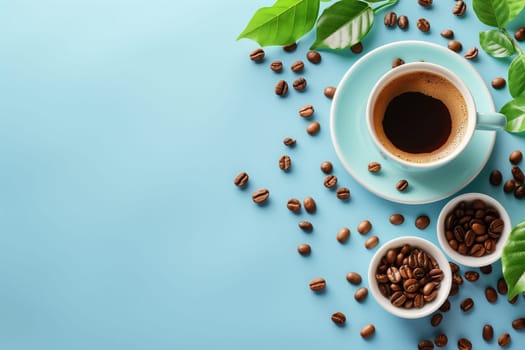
x: 455, y: 45
x: 326, y: 167
x: 423, y: 25
x: 306, y: 111
x: 509, y: 186
x: 361, y: 294
x: 364, y: 227
x: 276, y: 66
x: 402, y: 185
x: 357, y: 48
x: 486, y: 269
x: 491, y: 295
x: 441, y: 340
x: 260, y: 196
x: 397, y: 62
x: 294, y: 205
x: 495, y: 177
x: 343, y: 193
x: 299, y: 84
x: 338, y: 318
x: 313, y: 128
x: 367, y: 331
x: 514, y: 300
x: 297, y: 66
x: 453, y: 267
x: 498, y: 83
x: 304, y: 249
x: 447, y: 33
x: 459, y: 8
x: 424, y: 3
x: 354, y: 278
x: 422, y: 222
x: 241, y: 179
x: 281, y: 88
x: 396, y: 219
x: 471, y: 53
x: 445, y: 307
x: 425, y: 345
x: 398, y: 298
x: 374, y: 167
x: 393, y: 274
x: 402, y: 22
x: 520, y: 34
x: 457, y: 279
x: 471, y: 276
x: 329, y: 91
x: 309, y: 205
x: 288, y: 141
x: 306, y: 226
x: 436, y: 319
x: 390, y: 19
x: 290, y: 48
x: 519, y: 192
x: 504, y: 340
x: 517, y: 174
x: 343, y: 235
x: 519, y: 323
x: 487, y: 332
x: 317, y: 284
x: 502, y: 286
x: 371, y: 242
x: 454, y: 289
x: 467, y: 304
x: 285, y: 162
x: 515, y: 157
x: 257, y: 55
x: 464, y: 344
x: 330, y: 181
x: 314, y: 57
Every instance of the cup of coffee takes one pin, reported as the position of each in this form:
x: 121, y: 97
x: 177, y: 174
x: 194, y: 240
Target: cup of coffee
x: 421, y: 116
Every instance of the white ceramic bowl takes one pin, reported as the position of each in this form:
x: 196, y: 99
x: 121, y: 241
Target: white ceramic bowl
x: 433, y: 251
x: 471, y: 260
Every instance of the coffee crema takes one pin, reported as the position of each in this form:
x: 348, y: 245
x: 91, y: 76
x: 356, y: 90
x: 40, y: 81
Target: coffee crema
x: 420, y: 117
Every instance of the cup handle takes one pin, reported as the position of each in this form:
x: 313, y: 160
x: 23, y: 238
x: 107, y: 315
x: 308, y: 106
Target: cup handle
x: 491, y: 121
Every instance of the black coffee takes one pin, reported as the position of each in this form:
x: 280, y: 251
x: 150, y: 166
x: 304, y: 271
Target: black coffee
x: 417, y: 123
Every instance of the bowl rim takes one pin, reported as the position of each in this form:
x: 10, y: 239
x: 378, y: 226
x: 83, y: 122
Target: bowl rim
x: 469, y: 260
x: 432, y: 250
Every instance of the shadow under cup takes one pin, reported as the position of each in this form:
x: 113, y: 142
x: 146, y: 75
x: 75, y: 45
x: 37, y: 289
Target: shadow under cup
x: 420, y: 115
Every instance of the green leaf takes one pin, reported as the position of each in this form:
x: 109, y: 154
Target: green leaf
x: 497, y: 13
x: 513, y: 261
x: 516, y: 76
x: 283, y: 23
x: 343, y: 24
x: 515, y: 113
x: 496, y: 43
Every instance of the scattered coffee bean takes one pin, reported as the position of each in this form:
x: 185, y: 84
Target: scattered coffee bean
x: 297, y: 66
x: 498, y: 83
x: 425, y: 3
x: 257, y: 55
x: 517, y: 174
x: 436, y: 319
x: 486, y: 269
x: 371, y: 242
x: 447, y: 33
x: 445, y: 307
x: 514, y: 300
x: 361, y: 294
x: 357, y: 48
x: 354, y: 278
x: 281, y: 88
x: 364, y: 227
x: 464, y: 344
x: 285, y: 162
x: 519, y: 192
x: 504, y: 340
x: 471, y: 276
x: 459, y: 8
x: 309, y: 205
x: 520, y: 34
x: 495, y: 178
x: 330, y: 181
x: 294, y: 205
x: 260, y: 196
x: 290, y: 48
x: 457, y: 279
x: 313, y: 56
x: 317, y: 284
x: 396, y: 219
x: 491, y: 295
x: 241, y: 179
x: 390, y: 19
x: 425, y: 345
x: 488, y: 332
x: 467, y: 304
x: 329, y: 91
x: 306, y: 111
x: 306, y: 226
x: 455, y: 45
x: 402, y: 22
x: 374, y: 167
x: 441, y: 340
x: 422, y: 222
x: 423, y: 25
x: 519, y: 324
x: 288, y: 141
x: 402, y: 185
x: 367, y: 331
x: 313, y: 128
x: 299, y: 84
x: 471, y: 53
x: 338, y: 318
x: 304, y: 249
x: 509, y: 186
x: 397, y: 62
x: 515, y: 157
x: 276, y: 66
x: 343, y: 193
x: 326, y: 167
x: 343, y: 235
x: 502, y: 286
x: 453, y: 267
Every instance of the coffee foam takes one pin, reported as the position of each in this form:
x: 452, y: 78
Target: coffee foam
x: 432, y: 85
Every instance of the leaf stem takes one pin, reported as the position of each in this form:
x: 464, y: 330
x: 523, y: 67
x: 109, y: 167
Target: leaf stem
x: 386, y: 4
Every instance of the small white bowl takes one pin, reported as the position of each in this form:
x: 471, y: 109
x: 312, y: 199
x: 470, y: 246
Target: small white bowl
x: 431, y: 250
x: 471, y: 260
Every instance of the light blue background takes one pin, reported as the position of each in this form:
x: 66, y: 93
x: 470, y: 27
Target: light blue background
x: 122, y: 126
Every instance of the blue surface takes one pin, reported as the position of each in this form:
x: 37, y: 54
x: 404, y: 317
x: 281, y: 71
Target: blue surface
x: 122, y: 126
